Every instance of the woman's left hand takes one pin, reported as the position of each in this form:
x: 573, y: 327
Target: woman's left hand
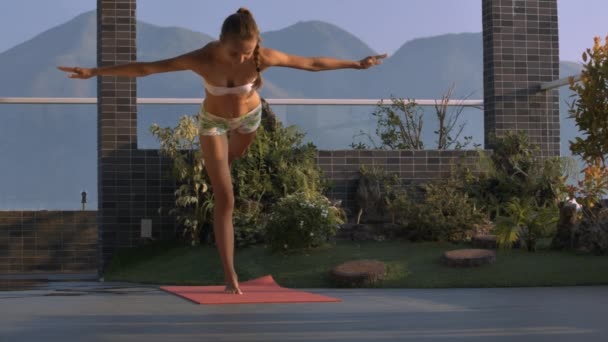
x: 370, y: 61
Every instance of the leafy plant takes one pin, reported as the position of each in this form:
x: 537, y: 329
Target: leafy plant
x: 515, y: 169
x: 299, y: 222
x: 444, y: 213
x: 193, y: 202
x: 590, y: 191
x: 277, y: 164
x: 375, y: 191
x: 589, y: 111
x: 400, y: 125
x: 526, y: 221
x: 591, y: 105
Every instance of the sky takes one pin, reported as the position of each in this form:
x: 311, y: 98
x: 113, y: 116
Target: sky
x: 384, y: 25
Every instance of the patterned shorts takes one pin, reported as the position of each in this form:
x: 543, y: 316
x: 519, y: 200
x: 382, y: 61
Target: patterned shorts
x: 210, y: 124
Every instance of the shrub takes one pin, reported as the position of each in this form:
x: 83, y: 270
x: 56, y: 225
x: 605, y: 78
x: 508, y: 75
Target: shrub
x: 515, y: 169
x: 376, y: 190
x: 445, y: 213
x: 527, y: 221
x: 276, y: 164
x: 193, y: 205
x: 300, y: 221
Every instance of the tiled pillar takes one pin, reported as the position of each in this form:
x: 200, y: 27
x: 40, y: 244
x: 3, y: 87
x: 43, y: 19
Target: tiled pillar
x: 521, y: 51
x: 116, y: 127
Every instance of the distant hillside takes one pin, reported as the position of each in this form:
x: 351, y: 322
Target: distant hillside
x: 316, y: 38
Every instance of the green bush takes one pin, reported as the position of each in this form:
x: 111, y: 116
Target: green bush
x: 299, y: 221
x: 277, y: 164
x: 193, y: 204
x: 526, y: 221
x: 515, y: 169
x: 445, y: 213
x: 376, y: 190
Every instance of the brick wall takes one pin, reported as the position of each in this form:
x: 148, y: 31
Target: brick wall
x: 413, y: 166
x: 48, y: 241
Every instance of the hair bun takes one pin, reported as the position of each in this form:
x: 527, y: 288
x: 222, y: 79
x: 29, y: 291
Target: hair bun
x: 243, y: 10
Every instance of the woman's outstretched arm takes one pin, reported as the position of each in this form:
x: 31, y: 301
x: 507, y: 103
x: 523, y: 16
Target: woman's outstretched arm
x: 273, y: 57
x: 187, y: 61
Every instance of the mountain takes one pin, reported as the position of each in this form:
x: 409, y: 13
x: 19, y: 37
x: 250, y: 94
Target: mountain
x: 34, y: 138
x: 316, y: 38
x: 426, y: 67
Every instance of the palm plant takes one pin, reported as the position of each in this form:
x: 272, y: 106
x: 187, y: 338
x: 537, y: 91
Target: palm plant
x: 526, y: 221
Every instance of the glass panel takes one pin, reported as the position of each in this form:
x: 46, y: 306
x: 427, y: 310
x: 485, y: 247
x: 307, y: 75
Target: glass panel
x: 48, y: 157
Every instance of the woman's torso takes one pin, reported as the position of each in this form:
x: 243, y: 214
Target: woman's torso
x: 218, y: 72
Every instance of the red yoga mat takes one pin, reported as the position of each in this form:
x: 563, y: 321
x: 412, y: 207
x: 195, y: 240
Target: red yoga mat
x: 256, y: 291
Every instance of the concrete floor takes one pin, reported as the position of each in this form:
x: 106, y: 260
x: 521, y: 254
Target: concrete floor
x: 94, y: 311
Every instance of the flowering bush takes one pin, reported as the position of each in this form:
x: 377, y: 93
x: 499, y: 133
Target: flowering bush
x: 299, y: 221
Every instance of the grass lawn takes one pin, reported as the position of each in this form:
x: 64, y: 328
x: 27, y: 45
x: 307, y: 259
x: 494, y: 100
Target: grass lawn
x: 410, y: 265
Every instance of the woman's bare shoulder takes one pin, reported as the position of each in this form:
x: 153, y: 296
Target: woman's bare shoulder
x: 269, y: 56
x: 205, y: 55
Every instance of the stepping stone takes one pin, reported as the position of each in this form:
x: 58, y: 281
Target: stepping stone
x: 358, y: 273
x: 468, y: 257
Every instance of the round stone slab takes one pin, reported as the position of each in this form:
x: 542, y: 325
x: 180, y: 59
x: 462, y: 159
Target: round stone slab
x: 468, y: 257
x: 358, y: 273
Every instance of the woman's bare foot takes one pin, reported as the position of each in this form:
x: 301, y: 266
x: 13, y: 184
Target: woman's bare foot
x: 232, y: 284
x: 233, y: 290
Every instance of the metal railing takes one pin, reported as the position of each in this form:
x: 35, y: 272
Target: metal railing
x: 559, y: 83
x: 299, y: 102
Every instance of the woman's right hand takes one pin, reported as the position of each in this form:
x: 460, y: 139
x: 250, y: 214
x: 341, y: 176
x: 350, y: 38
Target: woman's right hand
x: 77, y: 72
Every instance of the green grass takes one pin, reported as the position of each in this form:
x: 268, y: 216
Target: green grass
x: 410, y: 265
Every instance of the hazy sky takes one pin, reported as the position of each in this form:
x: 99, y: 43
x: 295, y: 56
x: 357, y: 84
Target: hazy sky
x: 383, y: 24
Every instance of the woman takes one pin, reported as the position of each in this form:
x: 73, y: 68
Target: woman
x: 230, y: 69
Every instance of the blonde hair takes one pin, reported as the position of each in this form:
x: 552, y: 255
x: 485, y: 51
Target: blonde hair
x: 241, y: 25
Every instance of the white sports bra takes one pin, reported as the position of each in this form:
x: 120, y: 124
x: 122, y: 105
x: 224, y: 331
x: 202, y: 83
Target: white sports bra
x: 219, y: 91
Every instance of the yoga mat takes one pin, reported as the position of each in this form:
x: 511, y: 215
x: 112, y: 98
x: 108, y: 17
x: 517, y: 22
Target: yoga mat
x: 255, y: 291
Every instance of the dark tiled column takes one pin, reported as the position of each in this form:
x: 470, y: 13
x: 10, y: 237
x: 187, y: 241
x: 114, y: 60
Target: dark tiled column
x: 520, y: 42
x: 116, y: 127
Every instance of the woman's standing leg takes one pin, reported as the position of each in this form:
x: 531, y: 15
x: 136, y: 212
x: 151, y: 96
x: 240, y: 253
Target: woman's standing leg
x: 215, y: 153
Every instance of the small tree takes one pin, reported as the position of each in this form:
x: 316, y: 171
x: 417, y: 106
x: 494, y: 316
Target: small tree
x: 450, y: 130
x: 193, y: 203
x: 590, y: 109
x: 400, y: 126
